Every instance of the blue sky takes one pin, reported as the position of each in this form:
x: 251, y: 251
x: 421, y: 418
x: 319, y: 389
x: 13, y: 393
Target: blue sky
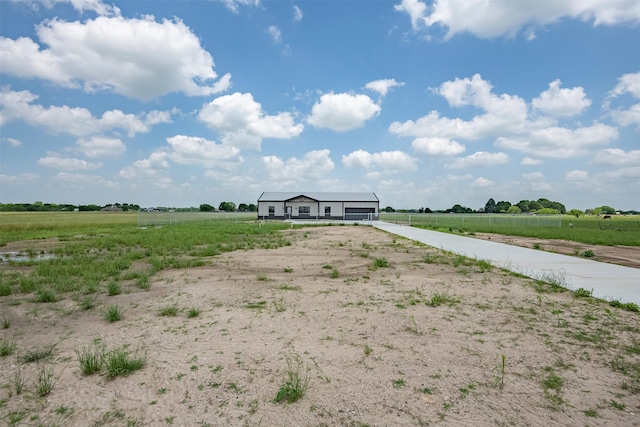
x: 425, y: 103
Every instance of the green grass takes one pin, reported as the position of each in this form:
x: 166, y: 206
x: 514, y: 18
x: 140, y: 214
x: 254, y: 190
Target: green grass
x: 193, y: 312
x: 169, y: 310
x: 295, y: 381
x: 120, y: 362
x: 620, y: 230
x: 91, y: 357
x: 113, y: 313
x: 37, y: 354
x: 96, y: 247
x: 7, y: 348
x: 380, y: 263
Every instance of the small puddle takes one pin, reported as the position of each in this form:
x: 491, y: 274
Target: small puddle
x: 24, y: 257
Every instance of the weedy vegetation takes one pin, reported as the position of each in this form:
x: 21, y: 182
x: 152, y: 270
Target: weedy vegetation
x: 295, y: 380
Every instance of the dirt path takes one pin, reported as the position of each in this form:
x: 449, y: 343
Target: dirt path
x: 389, y: 333
x: 622, y: 255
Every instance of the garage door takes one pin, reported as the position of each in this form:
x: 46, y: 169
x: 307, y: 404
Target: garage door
x: 358, y: 213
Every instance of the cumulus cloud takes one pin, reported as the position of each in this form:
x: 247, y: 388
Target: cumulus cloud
x: 482, y: 183
x: 99, y: 147
x: 486, y: 19
x: 150, y: 168
x: 342, y: 111
x: 190, y: 150
x: 388, y: 161
x: 12, y: 142
x: 559, y: 142
x: 528, y: 161
x: 297, y: 14
x: 479, y: 158
x: 437, y: 146
x: 73, y: 120
x: 383, y: 86
x: 628, y: 83
x: 561, y: 102
x: 577, y: 176
x: 65, y: 163
x: 617, y: 157
x: 502, y: 113
x: 82, y: 6
x: 314, y: 165
x: 137, y: 58
x: 85, y: 180
x: 242, y: 123
x: 23, y: 178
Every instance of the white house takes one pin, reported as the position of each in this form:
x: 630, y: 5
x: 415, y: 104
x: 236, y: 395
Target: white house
x: 318, y: 205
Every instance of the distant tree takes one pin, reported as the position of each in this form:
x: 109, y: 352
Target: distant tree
x: 205, y: 207
x: 227, y: 206
x: 523, y: 205
x: 253, y: 207
x: 388, y: 209
x: 607, y: 210
x: 576, y: 212
x: 548, y: 211
x: 514, y: 209
x: 534, y: 206
x: 459, y: 209
x: 243, y: 207
x: 502, y: 206
x: 490, y: 206
x: 427, y: 210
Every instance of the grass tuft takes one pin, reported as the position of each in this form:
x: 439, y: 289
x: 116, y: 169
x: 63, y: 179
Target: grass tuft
x: 113, y: 313
x: 296, y: 380
x: 120, y: 362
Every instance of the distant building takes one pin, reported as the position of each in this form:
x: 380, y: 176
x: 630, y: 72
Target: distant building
x: 318, y: 205
x: 111, y: 208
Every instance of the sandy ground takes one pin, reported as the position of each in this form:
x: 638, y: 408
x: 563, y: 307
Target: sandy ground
x: 376, y: 346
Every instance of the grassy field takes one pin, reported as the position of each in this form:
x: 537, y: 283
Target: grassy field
x: 620, y: 230
x: 87, y: 251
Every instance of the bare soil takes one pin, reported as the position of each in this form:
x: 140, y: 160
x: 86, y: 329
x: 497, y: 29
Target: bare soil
x: 622, y: 255
x: 419, y: 339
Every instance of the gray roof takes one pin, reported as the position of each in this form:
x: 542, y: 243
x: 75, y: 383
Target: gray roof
x: 279, y: 196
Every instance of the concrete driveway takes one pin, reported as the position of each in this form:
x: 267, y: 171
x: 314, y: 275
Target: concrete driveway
x: 607, y: 281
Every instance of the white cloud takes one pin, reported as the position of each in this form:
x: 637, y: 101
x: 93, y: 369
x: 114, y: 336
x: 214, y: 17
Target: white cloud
x: 627, y: 117
x: 479, y: 158
x: 617, y: 157
x: 23, y: 178
x: 190, y: 150
x: 82, y: 6
x: 558, y: 142
x: 487, y: 19
x: 233, y: 5
x: 503, y: 113
x: 297, y: 14
x: 56, y: 162
x: 341, y: 112
x: 388, y: 161
x: 12, y: 142
x: 533, y: 176
x: 275, y: 33
x: 243, y: 124
x: 150, y: 168
x: 85, y: 180
x: 528, y: 161
x: 137, y: 58
x: 99, y: 147
x: 314, y: 165
x: 577, y: 176
x: 73, y: 120
x: 561, y: 102
x: 383, y: 86
x: 536, y: 182
x: 437, y: 146
x: 482, y: 183
x: 628, y: 83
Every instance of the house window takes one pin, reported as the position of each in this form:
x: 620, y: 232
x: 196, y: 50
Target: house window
x: 272, y: 210
x: 327, y: 211
x: 304, y: 210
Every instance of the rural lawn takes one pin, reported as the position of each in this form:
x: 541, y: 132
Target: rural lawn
x: 360, y: 326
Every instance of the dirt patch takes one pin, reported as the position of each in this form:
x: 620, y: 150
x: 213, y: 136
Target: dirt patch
x: 622, y: 255
x: 389, y: 332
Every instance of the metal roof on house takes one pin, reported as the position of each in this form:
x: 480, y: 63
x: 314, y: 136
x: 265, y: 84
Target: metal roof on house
x: 280, y: 196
